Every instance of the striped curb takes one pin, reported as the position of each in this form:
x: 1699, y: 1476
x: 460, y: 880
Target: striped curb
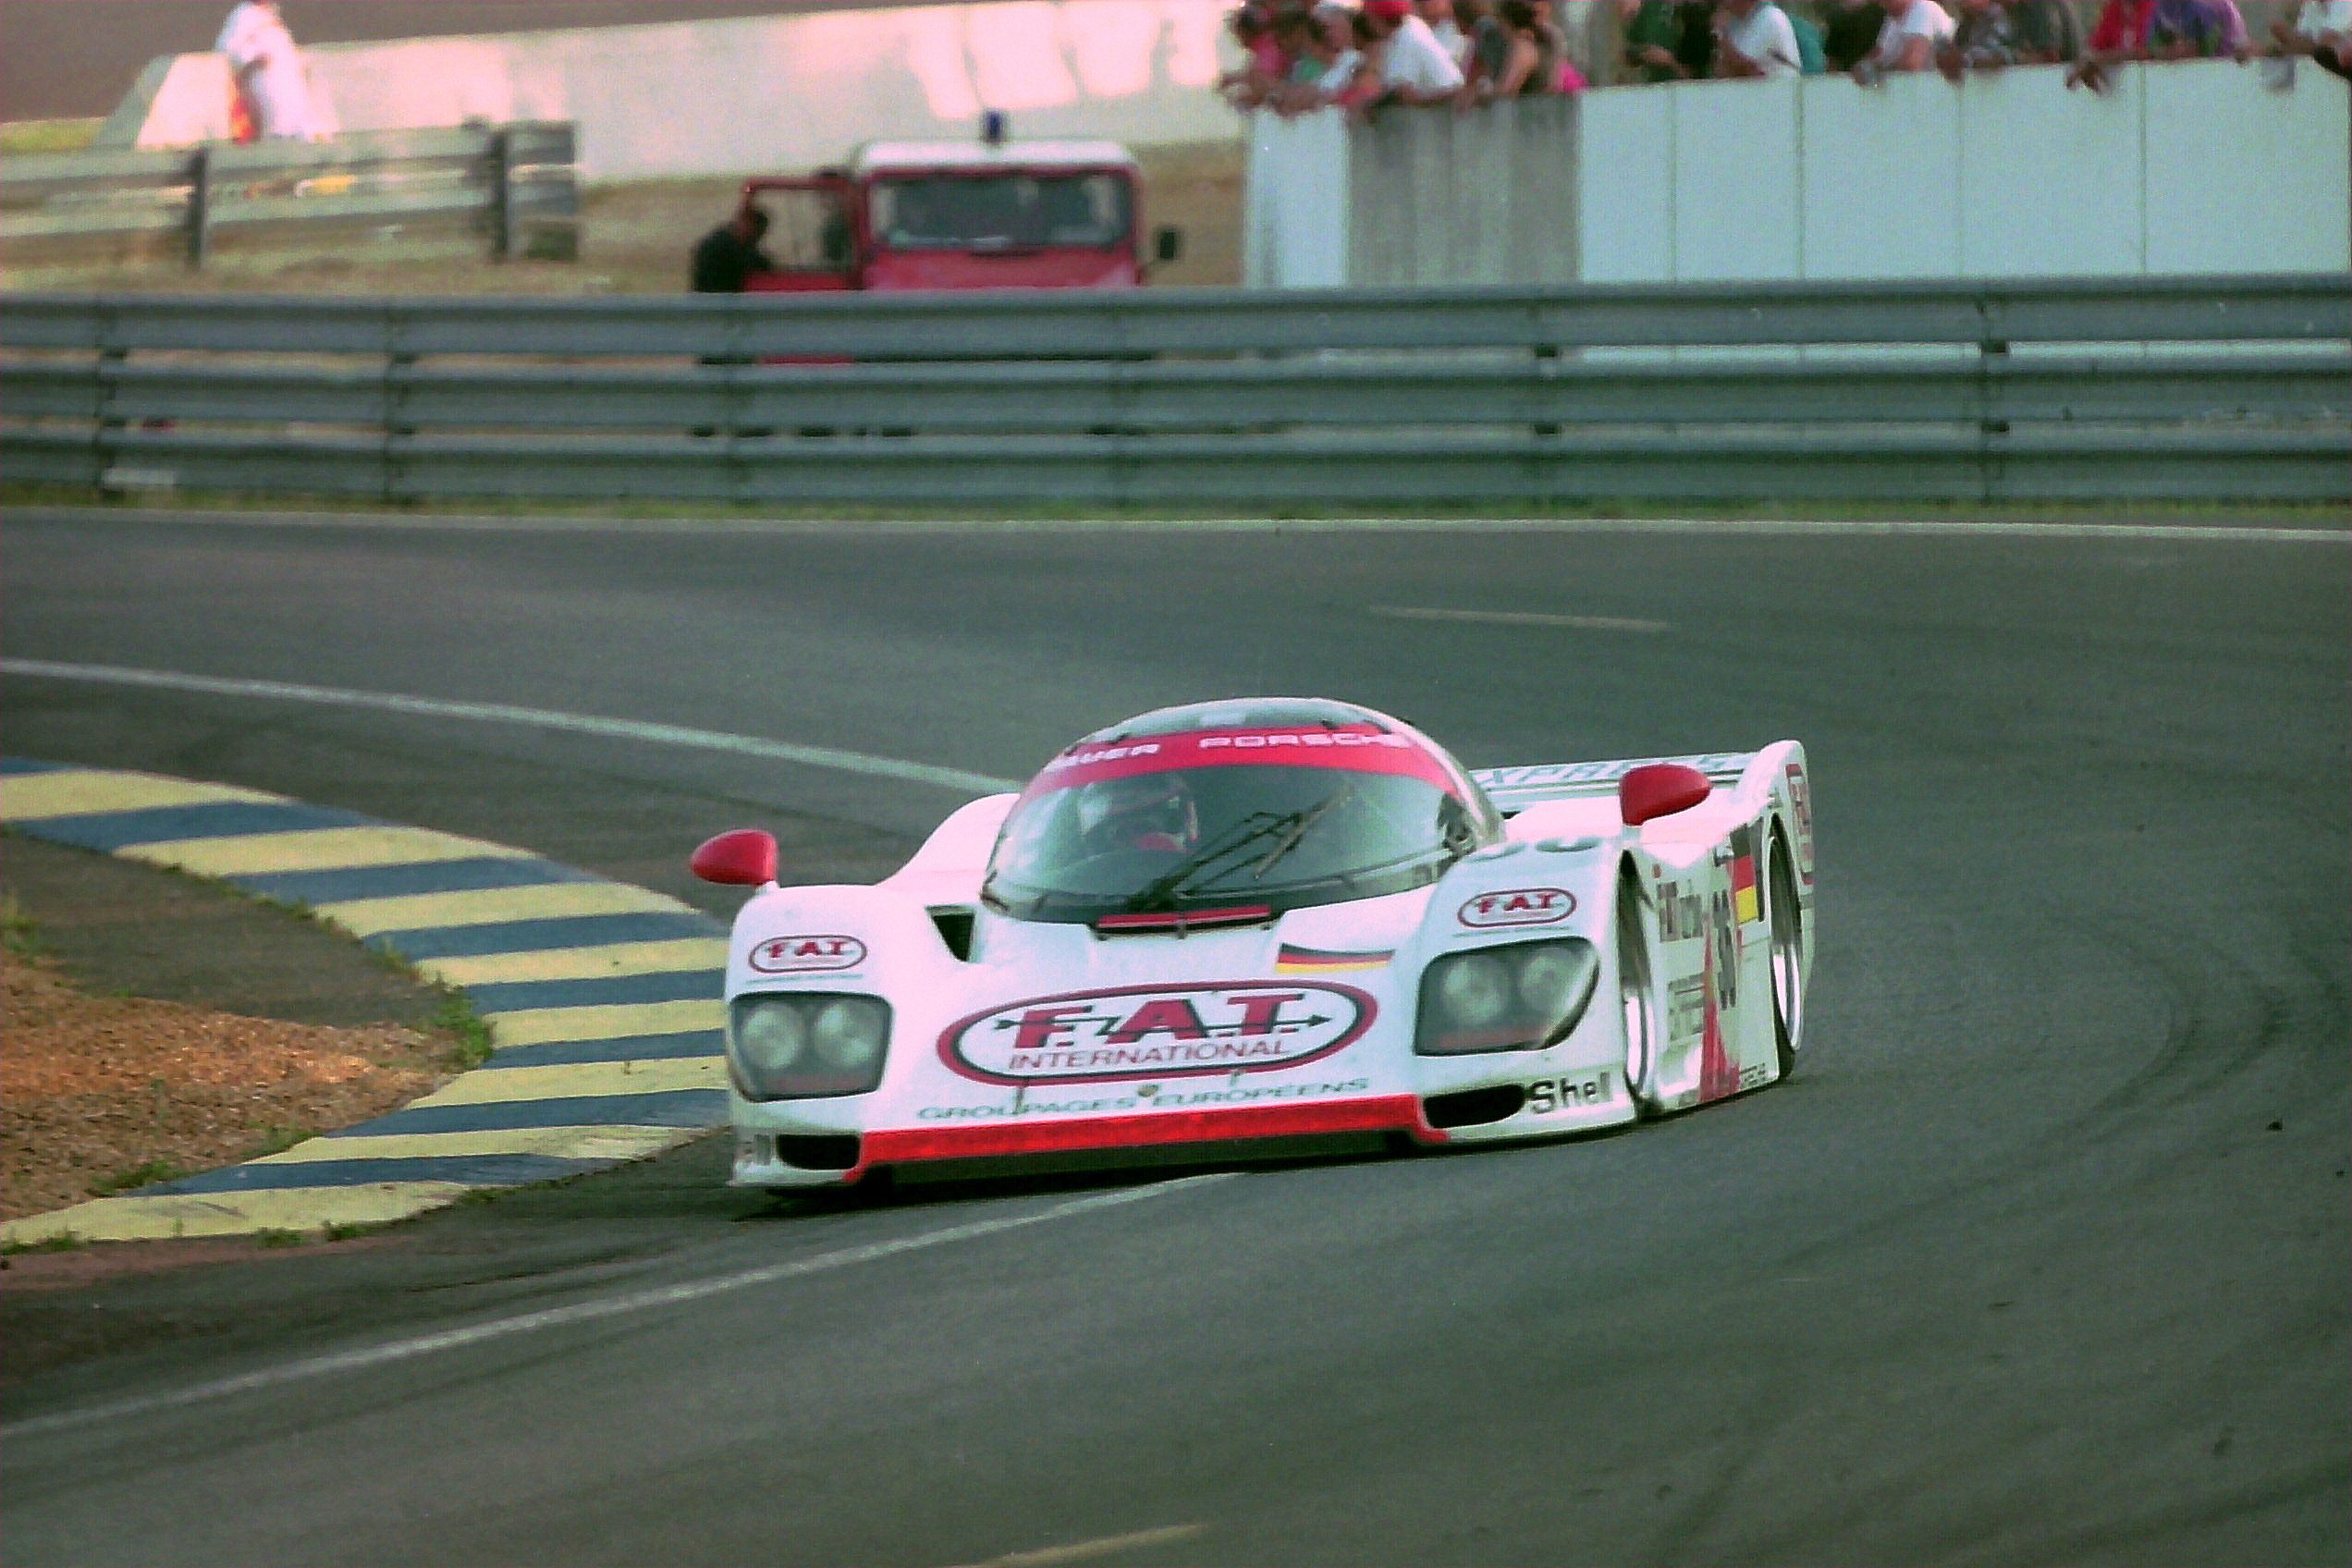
x: 602, y: 1001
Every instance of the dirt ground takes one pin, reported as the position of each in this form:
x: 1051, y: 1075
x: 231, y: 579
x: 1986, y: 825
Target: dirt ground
x: 635, y: 238
x: 158, y: 1026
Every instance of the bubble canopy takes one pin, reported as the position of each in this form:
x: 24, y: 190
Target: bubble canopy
x: 1269, y: 803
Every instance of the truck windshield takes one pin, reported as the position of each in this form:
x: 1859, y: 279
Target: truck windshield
x: 1000, y: 211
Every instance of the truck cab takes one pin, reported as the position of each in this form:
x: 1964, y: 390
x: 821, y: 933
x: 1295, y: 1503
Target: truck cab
x: 949, y: 215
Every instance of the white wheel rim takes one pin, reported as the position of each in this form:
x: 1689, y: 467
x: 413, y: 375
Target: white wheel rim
x: 1788, y: 950
x: 1633, y: 996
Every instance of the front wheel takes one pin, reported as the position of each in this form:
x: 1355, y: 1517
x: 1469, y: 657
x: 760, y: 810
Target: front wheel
x: 1636, y: 999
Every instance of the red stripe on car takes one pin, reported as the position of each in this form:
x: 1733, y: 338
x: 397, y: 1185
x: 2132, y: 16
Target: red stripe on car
x: 1388, y: 1113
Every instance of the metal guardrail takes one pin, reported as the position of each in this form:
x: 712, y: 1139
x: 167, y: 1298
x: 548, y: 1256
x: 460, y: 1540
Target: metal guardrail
x: 1097, y: 323
x: 513, y: 183
x: 2191, y: 388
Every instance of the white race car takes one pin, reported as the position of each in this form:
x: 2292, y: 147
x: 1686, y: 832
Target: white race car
x: 1272, y: 926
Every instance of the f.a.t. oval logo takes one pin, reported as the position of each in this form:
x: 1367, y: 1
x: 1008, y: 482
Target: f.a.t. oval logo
x: 1518, y: 906
x: 805, y: 955
x: 1158, y: 1032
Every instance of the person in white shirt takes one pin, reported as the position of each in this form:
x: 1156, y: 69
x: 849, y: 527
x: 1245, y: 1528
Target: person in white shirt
x: 267, y: 65
x: 1755, y: 38
x: 2316, y: 23
x: 1907, y: 42
x: 1446, y: 30
x: 1416, y: 68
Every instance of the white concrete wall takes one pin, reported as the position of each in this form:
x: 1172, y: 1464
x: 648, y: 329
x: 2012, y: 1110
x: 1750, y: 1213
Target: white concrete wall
x: 1439, y: 198
x: 2185, y: 169
x: 769, y: 94
x: 2193, y: 167
x: 1296, y: 206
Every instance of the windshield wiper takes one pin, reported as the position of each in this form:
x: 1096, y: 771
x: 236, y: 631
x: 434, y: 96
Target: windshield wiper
x: 1301, y: 822
x: 1247, y: 830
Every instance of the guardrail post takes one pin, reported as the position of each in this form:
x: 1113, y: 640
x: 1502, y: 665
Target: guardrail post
x: 1547, y: 372
x: 199, y: 206
x: 502, y: 209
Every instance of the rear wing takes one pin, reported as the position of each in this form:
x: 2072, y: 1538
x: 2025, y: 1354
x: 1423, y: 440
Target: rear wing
x: 1513, y: 790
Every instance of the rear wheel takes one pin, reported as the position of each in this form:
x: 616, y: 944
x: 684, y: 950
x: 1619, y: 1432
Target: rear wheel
x: 1788, y: 958
x: 1636, y: 1000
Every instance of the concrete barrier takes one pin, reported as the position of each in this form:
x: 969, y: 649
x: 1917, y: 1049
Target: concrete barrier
x: 2192, y: 168
x: 1483, y: 197
x: 763, y: 93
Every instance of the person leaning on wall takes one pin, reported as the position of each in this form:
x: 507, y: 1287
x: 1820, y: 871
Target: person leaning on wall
x: 1755, y: 38
x: 1907, y: 42
x: 1414, y: 68
x: 2319, y: 30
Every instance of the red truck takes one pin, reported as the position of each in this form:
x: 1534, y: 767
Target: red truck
x: 993, y: 213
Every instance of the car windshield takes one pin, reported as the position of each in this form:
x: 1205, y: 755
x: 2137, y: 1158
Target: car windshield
x: 999, y: 212
x: 1211, y: 820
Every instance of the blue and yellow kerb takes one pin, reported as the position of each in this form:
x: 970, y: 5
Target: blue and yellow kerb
x: 602, y: 1001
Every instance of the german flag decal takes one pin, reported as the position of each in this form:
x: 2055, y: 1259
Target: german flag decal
x: 1318, y: 960
x: 1746, y: 907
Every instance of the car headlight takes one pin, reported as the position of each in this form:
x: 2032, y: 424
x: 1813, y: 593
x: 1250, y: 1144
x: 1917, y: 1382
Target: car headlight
x: 806, y: 1044
x: 1509, y: 999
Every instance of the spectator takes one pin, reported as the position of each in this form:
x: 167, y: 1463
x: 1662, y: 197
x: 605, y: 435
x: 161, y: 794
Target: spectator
x: 2187, y: 30
x: 2120, y: 34
x: 1811, y: 60
x: 2047, y: 32
x: 269, y: 75
x: 1907, y: 40
x: 727, y: 257
x: 1329, y: 61
x: 1531, y: 54
x: 1753, y: 38
x: 1368, y: 83
x: 1490, y: 46
x: 1665, y: 39
x: 1994, y: 33
x: 1415, y: 67
x: 1560, y: 72
x: 1447, y: 30
x: 1253, y: 27
x: 1853, y: 33
x: 2321, y: 29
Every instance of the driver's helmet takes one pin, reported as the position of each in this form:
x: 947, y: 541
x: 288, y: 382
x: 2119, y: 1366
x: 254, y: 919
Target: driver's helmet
x: 1145, y: 811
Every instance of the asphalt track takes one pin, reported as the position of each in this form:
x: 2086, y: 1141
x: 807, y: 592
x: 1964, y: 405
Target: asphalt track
x: 2044, y: 1255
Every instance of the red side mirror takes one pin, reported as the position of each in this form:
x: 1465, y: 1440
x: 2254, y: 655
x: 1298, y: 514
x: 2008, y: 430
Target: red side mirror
x: 1662, y: 788
x: 745, y: 858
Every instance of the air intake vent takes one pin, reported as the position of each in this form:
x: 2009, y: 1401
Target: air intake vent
x: 1474, y: 1108
x: 829, y: 1151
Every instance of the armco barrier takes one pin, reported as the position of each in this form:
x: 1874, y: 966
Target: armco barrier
x: 2182, y: 389
x: 511, y: 185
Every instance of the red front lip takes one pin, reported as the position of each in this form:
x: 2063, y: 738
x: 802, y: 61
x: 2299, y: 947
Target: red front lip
x: 1384, y: 1113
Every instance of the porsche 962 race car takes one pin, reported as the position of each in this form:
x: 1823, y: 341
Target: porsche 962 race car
x: 1272, y: 925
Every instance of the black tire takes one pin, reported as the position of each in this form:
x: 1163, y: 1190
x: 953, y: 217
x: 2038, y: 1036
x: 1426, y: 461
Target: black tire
x: 1786, y: 914
x: 1636, y: 999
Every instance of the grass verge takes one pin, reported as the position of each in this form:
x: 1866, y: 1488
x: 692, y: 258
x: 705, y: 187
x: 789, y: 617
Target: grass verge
x: 48, y: 136
x: 146, y: 1173
x: 468, y: 1035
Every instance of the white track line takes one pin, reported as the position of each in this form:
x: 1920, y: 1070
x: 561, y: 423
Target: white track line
x: 1930, y: 528
x: 584, y: 1312
x: 1523, y: 617
x: 1101, y: 1546
x: 537, y: 719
